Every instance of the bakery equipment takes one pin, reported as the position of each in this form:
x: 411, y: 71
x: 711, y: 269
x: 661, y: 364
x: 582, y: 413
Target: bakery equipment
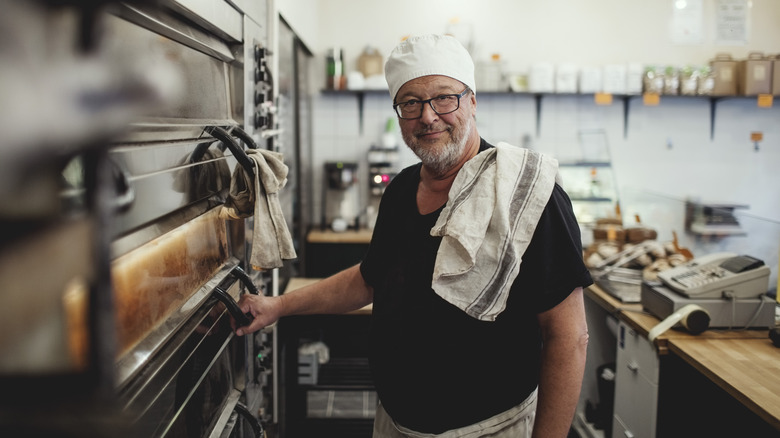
x: 119, y: 295
x: 719, y: 275
x: 756, y: 312
x: 382, y: 164
x: 340, y: 196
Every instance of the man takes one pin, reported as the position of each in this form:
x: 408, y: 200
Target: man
x: 477, y: 303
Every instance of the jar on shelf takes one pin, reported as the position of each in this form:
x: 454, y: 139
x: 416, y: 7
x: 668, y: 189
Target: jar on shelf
x: 671, y: 80
x: 706, y: 81
x: 689, y: 81
x: 653, y: 80
x: 336, y: 78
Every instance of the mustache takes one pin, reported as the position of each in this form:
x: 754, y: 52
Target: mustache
x: 432, y: 128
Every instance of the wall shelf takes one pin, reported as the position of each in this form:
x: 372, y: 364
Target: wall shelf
x: 360, y: 95
x: 539, y: 98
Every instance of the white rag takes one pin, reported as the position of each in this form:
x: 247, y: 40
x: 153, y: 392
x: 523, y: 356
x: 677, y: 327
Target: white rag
x: 494, y: 205
x: 259, y: 195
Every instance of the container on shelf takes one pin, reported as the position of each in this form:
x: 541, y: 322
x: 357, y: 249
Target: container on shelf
x: 754, y: 75
x: 705, y: 81
x: 370, y: 62
x: 634, y: 78
x: 541, y: 78
x: 490, y: 75
x: 724, y: 70
x: 653, y: 80
x: 336, y: 78
x: 566, y: 76
x: 615, y: 79
x: 689, y: 81
x: 671, y: 81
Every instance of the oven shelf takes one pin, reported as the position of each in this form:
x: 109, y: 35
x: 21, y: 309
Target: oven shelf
x: 344, y: 373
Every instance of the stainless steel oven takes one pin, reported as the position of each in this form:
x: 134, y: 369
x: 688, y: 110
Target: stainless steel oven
x: 137, y: 272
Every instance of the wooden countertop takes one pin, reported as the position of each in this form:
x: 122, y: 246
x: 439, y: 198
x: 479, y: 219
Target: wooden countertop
x: 742, y: 362
x: 362, y: 235
x: 298, y: 282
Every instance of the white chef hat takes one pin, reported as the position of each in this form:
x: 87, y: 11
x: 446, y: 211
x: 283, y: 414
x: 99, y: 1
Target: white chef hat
x: 428, y: 55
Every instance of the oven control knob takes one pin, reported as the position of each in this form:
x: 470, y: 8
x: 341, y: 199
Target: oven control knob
x: 263, y: 361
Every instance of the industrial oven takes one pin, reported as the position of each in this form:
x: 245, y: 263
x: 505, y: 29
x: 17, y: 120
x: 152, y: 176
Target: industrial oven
x: 121, y: 275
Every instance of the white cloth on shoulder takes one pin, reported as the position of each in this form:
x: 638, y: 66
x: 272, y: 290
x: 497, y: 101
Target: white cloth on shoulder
x: 493, y: 208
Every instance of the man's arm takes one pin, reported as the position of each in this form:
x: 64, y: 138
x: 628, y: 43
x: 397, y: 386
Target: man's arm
x: 338, y: 293
x: 565, y: 338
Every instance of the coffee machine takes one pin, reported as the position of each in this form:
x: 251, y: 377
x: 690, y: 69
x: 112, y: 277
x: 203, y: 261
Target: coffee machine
x: 340, y: 196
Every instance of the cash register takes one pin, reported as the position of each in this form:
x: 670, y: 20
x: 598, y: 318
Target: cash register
x: 730, y: 288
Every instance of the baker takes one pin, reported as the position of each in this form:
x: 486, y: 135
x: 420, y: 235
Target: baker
x: 474, y: 270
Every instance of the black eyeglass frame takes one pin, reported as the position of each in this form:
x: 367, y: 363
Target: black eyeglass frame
x: 428, y: 101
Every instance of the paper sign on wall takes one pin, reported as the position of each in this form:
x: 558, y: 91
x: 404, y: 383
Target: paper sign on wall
x: 732, y: 25
x: 686, y: 26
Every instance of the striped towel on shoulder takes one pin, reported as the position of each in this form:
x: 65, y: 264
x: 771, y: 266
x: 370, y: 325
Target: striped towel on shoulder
x: 494, y: 205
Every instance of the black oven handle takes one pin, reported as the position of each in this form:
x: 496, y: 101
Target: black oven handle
x: 254, y: 423
x: 220, y: 292
x: 240, y: 274
x: 238, y: 152
x: 244, y: 136
x: 242, y: 319
x: 124, y: 190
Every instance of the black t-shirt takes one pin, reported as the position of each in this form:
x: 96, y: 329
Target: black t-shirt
x: 436, y: 368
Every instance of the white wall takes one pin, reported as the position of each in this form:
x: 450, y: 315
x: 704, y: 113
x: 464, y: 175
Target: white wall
x: 524, y: 31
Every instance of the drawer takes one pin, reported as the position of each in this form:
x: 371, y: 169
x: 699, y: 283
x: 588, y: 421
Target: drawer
x: 636, y: 354
x: 636, y: 406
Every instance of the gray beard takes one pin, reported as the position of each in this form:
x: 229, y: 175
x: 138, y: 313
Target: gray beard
x: 441, y: 161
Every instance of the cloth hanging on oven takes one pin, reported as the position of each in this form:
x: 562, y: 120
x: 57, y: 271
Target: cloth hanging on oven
x: 271, y: 239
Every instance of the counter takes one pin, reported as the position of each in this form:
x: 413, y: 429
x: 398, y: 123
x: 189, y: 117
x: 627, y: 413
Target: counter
x: 361, y: 236
x: 742, y: 363
x: 328, y: 252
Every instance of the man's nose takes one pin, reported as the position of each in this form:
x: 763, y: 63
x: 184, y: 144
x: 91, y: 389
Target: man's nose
x: 428, y: 114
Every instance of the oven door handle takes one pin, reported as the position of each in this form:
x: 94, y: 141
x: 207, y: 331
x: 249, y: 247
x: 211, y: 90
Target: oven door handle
x: 254, y: 423
x: 239, y: 273
x: 238, y: 152
x: 244, y: 136
x: 242, y: 319
x: 124, y: 190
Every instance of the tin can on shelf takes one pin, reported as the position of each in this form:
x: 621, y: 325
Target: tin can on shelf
x: 724, y: 71
x: 776, y: 75
x: 755, y: 75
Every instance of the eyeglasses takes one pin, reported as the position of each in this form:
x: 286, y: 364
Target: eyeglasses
x: 444, y: 104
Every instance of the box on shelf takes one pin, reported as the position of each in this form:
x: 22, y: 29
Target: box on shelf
x: 490, y: 74
x: 614, y: 79
x: 590, y: 80
x: 776, y: 75
x: 724, y: 71
x: 541, y: 78
x: 755, y: 75
x: 566, y: 78
x: 634, y: 78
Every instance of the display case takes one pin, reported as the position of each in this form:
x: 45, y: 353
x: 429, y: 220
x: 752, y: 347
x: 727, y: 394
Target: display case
x: 590, y: 181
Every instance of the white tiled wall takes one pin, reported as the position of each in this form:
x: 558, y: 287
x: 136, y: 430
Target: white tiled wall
x: 665, y: 156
